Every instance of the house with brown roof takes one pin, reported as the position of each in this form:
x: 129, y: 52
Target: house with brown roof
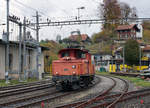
x: 133, y: 31
x: 84, y: 37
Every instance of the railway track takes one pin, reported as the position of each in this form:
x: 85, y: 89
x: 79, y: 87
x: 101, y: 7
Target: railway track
x: 35, y: 99
x: 32, y: 100
x: 127, y: 96
x: 24, y: 85
x: 100, y: 97
x: 30, y: 88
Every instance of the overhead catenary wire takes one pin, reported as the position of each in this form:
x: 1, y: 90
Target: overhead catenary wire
x: 27, y: 6
x: 24, y: 11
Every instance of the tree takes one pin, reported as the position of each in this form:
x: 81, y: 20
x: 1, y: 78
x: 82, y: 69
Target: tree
x: 146, y: 36
x: 146, y: 25
x: 105, y: 35
x: 131, y: 51
x: 146, y: 31
x: 110, y: 10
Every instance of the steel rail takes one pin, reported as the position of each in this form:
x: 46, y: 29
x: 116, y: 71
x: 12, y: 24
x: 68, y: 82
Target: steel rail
x: 90, y: 101
x: 22, y: 99
x: 129, y: 95
x: 23, y: 85
x: 126, y: 87
x: 24, y: 90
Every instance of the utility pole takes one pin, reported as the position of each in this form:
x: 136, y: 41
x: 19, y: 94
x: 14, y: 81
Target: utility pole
x: 20, y: 47
x: 7, y: 46
x: 24, y: 47
x: 37, y: 38
x: 16, y: 20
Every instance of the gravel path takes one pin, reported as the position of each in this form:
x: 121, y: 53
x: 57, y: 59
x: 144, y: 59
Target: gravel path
x: 81, y: 95
x: 120, y: 86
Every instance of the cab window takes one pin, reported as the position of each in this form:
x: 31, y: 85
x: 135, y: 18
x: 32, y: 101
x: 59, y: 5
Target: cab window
x: 65, y: 54
x: 80, y: 55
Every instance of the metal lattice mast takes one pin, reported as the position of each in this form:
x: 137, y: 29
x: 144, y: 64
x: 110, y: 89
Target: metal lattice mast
x: 24, y: 48
x: 20, y: 49
x: 7, y: 46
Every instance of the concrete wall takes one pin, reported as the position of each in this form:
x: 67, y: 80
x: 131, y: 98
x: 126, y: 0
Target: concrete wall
x: 15, y: 58
x: 2, y: 62
x: 30, y: 62
x: 41, y: 65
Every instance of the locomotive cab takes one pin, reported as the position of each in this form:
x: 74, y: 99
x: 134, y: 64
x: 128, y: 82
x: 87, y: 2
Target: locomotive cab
x: 73, y: 69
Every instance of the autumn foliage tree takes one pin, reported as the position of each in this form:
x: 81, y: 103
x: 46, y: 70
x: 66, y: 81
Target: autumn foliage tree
x: 146, y: 31
x: 51, y: 54
x: 109, y: 10
x: 112, y: 11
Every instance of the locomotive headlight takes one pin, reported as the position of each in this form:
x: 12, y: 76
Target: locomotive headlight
x: 74, y: 66
x: 56, y: 73
x: 74, y: 73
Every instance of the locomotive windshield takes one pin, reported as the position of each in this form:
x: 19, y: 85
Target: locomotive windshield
x: 80, y: 55
x: 65, y: 54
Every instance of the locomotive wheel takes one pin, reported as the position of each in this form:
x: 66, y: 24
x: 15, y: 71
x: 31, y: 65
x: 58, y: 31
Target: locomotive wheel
x: 66, y: 86
x: 82, y: 84
x: 75, y: 86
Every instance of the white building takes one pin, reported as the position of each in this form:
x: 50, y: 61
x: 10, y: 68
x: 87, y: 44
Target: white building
x: 102, y: 61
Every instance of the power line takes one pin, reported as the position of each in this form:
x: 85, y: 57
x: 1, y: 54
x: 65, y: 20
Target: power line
x: 30, y: 7
x: 27, y: 6
x: 22, y: 9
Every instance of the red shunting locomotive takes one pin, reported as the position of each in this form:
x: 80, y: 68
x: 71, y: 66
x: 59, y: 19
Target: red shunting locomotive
x: 73, y: 70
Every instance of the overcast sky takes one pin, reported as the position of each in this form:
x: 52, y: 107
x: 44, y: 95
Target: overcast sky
x: 58, y: 10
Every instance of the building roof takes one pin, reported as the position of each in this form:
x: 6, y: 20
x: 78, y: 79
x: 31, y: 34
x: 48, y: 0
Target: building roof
x: 125, y: 27
x: 84, y: 37
x: 146, y: 48
x: 74, y: 49
x: 32, y: 45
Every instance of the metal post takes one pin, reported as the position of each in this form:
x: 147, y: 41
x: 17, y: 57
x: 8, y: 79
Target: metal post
x: 140, y: 57
x: 123, y: 58
x: 7, y: 46
x: 20, y: 47
x: 37, y: 37
x: 78, y: 13
x: 24, y: 47
x: 112, y: 64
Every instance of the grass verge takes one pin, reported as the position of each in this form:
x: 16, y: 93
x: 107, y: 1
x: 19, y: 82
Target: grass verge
x: 14, y: 82
x: 137, y: 81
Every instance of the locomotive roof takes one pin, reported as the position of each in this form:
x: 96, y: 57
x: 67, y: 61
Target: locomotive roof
x: 77, y: 49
